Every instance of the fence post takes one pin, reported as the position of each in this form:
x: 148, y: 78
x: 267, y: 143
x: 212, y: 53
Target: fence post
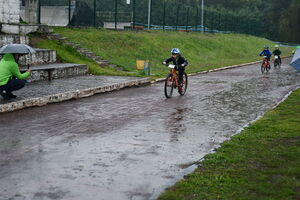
x: 149, y: 13
x: 197, y: 19
x: 225, y: 22
x: 220, y: 29
x: 133, y: 14
x: 95, y: 12
x: 164, y: 15
x: 232, y: 24
x: 212, y: 21
x: 204, y: 21
x: 237, y: 25
x: 39, y: 12
x: 69, y: 12
x: 177, y: 14
x: 187, y: 19
x: 116, y: 14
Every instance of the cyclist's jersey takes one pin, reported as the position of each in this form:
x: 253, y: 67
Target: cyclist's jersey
x: 277, y: 52
x: 177, y: 61
x: 266, y: 53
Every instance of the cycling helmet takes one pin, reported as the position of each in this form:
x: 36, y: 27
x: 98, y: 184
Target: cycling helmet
x: 175, y: 51
x: 276, y: 46
x: 266, y: 47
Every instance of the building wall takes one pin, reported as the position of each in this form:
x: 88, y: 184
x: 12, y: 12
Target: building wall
x: 9, y: 11
x: 29, y: 11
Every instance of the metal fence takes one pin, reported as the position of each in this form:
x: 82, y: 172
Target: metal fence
x: 143, y: 14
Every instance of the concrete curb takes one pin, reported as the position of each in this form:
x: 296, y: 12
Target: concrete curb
x: 41, y: 101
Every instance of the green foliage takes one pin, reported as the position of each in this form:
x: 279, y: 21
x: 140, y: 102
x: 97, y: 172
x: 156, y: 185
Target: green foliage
x: 203, y: 51
x: 278, y: 19
x: 262, y: 162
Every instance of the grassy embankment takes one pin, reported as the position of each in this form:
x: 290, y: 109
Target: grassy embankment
x: 203, y: 51
x: 262, y: 162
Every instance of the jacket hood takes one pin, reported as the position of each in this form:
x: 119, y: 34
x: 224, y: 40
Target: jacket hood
x: 8, y: 57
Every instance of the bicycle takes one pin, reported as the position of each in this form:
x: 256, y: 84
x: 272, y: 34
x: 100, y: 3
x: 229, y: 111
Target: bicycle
x: 277, y: 62
x: 265, y: 67
x: 172, y: 81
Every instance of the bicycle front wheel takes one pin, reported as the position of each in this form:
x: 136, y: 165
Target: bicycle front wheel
x: 169, y: 85
x: 263, y: 68
x: 182, y: 90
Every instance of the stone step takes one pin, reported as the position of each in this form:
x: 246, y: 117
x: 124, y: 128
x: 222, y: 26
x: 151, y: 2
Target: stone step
x: 102, y: 63
x: 56, y: 71
x: 12, y: 38
x: 42, y: 56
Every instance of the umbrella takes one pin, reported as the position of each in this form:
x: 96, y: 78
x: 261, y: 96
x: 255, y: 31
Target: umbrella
x: 17, y: 49
x: 296, y: 60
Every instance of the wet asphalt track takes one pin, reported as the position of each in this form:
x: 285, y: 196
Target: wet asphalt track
x: 132, y: 143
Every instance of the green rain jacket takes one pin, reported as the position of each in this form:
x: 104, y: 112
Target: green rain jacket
x: 9, y: 68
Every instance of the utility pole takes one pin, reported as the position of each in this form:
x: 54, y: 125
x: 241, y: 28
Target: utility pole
x: 149, y: 13
x: 202, y: 16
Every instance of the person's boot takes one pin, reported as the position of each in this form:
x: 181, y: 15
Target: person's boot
x: 5, y: 96
x: 11, y: 95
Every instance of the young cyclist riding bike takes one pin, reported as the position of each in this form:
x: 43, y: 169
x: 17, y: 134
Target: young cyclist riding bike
x: 266, y: 66
x: 266, y: 52
x: 277, y: 52
x: 179, y: 61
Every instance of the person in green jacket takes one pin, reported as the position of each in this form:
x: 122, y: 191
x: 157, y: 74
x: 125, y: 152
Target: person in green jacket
x: 11, y: 78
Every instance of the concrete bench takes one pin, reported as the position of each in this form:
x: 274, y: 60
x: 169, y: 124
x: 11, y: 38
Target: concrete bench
x: 55, y: 71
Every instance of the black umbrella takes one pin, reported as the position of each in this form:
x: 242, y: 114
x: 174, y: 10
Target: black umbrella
x: 16, y: 49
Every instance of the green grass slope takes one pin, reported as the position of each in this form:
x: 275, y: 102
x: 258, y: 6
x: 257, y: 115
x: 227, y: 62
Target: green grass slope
x: 203, y: 51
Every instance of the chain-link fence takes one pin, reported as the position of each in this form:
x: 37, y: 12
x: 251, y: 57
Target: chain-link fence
x: 143, y: 14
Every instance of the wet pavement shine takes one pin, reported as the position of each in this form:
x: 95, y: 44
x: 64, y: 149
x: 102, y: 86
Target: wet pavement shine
x: 130, y: 144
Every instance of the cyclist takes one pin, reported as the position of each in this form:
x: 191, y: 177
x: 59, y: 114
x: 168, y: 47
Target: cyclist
x: 266, y: 52
x: 179, y: 61
x: 277, y: 52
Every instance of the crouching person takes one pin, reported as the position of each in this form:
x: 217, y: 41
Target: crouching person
x: 11, y: 78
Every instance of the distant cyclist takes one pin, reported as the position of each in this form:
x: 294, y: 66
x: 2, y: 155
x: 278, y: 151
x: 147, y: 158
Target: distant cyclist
x: 179, y: 61
x: 266, y: 52
x: 277, y: 52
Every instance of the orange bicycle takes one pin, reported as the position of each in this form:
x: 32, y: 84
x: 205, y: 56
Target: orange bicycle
x: 265, y: 67
x: 172, y: 81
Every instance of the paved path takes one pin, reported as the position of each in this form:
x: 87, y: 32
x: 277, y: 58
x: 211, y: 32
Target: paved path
x: 133, y: 143
x: 45, y: 88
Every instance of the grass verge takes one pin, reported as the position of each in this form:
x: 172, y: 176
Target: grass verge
x: 262, y: 162
x: 203, y: 51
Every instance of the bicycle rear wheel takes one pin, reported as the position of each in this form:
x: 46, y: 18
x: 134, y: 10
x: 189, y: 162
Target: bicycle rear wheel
x: 182, y: 90
x: 169, y: 85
